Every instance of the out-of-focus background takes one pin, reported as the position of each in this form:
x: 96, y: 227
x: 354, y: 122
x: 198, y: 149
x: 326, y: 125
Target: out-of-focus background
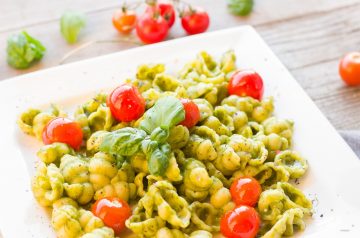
x: 308, y: 36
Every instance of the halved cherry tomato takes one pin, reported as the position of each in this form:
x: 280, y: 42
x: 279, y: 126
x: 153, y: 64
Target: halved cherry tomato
x: 245, y: 191
x: 124, y: 20
x: 242, y: 222
x: 349, y: 68
x: 152, y: 27
x: 166, y: 10
x: 126, y: 103
x: 113, y: 212
x: 195, y: 20
x: 63, y: 130
x: 192, y: 113
x: 246, y: 83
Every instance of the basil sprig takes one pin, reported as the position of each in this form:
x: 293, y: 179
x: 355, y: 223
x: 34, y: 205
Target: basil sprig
x: 151, y: 137
x: 23, y: 50
x: 70, y: 25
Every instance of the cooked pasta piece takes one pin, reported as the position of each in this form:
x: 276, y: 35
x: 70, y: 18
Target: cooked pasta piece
x: 281, y: 127
x: 205, y: 108
x: 280, y: 198
x: 170, y: 206
x: 65, y: 221
x: 144, y: 227
x: 205, y: 216
x: 179, y: 137
x: 202, y: 144
x: 47, y: 185
x: 267, y: 174
x: 290, y: 221
x: 77, y: 180
x: 102, y: 168
x: 292, y: 162
x: 220, y: 196
x: 120, y: 186
x: 54, y: 152
x: 197, y: 181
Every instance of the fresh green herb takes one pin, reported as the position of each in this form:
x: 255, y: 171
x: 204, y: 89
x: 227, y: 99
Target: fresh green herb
x: 157, y: 155
x: 166, y: 113
x: 23, y: 50
x: 150, y: 138
x: 70, y: 25
x: 160, y: 134
x: 240, y: 7
x: 123, y: 142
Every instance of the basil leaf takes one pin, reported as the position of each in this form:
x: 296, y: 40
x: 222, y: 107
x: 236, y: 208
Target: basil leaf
x: 158, y: 156
x: 123, y: 142
x: 23, y: 50
x: 241, y: 7
x: 70, y: 25
x: 166, y: 113
x: 160, y: 134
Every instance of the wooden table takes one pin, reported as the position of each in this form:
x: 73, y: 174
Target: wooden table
x: 308, y: 36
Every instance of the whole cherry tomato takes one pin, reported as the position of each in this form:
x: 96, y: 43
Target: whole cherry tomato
x: 166, y: 10
x: 245, y: 191
x: 126, y: 103
x: 152, y: 28
x: 246, y: 83
x: 192, y: 113
x: 63, y: 130
x: 124, y: 20
x: 242, y: 222
x: 349, y: 68
x: 195, y: 20
x: 113, y: 212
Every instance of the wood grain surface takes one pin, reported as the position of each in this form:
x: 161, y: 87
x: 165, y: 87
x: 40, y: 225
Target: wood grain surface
x: 308, y: 36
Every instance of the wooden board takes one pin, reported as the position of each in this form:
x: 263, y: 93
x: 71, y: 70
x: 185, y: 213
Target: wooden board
x: 308, y: 36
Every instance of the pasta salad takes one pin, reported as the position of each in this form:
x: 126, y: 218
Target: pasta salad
x: 191, y: 155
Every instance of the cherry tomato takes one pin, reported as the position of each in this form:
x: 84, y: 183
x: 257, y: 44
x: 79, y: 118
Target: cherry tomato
x: 124, y: 20
x: 63, y: 130
x: 126, y: 103
x: 349, y: 68
x: 195, y: 20
x: 166, y: 10
x: 242, y: 222
x: 245, y: 191
x: 152, y: 28
x: 192, y: 113
x: 246, y: 83
x: 113, y: 212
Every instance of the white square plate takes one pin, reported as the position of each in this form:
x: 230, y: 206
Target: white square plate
x: 332, y: 181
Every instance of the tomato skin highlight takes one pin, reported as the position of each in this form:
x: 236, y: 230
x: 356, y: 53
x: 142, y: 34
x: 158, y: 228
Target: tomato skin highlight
x: 245, y: 191
x: 192, y: 113
x: 124, y: 21
x: 63, y: 130
x: 126, y: 103
x: 349, y: 68
x: 242, y: 222
x: 113, y: 212
x: 151, y: 28
x: 195, y: 21
x: 246, y: 83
